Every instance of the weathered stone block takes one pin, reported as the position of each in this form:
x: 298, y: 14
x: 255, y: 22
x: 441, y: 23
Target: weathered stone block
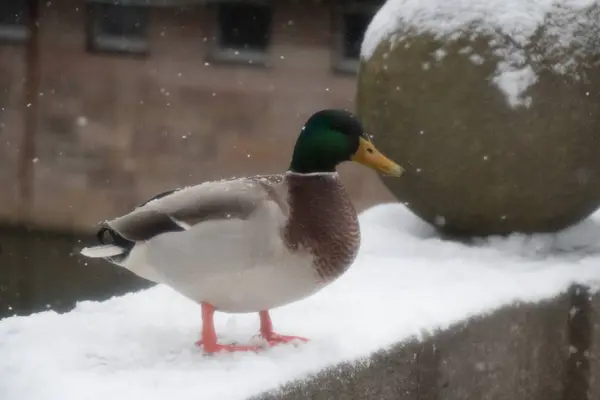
x: 521, y: 352
x: 591, y: 356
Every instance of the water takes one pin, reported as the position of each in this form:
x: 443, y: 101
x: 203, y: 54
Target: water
x: 44, y: 271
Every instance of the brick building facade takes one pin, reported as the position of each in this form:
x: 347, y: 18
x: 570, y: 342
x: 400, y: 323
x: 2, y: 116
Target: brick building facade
x: 102, y: 104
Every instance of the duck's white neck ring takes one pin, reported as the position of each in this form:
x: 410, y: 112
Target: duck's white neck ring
x: 330, y: 174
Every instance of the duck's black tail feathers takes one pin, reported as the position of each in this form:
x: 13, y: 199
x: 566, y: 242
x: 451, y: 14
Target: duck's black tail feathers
x: 112, y: 247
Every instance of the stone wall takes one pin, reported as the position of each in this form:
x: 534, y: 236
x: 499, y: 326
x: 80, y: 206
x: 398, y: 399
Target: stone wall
x: 543, y: 351
x: 113, y: 130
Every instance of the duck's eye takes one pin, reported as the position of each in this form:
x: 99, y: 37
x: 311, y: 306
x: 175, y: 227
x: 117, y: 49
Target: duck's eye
x: 369, y: 150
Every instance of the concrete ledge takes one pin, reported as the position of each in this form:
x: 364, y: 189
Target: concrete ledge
x: 541, y: 351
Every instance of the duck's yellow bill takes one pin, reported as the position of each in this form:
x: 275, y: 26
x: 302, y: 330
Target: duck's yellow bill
x: 369, y: 156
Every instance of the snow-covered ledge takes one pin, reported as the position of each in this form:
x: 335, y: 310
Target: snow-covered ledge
x: 526, y: 351
x: 392, y: 328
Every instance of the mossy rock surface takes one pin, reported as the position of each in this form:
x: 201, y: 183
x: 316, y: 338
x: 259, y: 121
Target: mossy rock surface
x: 498, y: 135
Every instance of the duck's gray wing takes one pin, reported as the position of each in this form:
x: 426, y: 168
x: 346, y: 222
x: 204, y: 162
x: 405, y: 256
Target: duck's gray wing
x: 181, y: 209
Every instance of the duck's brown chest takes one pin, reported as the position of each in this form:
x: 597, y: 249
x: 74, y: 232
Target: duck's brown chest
x: 322, y: 221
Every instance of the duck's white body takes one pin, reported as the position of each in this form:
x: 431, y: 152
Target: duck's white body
x: 235, y: 265
x: 229, y: 250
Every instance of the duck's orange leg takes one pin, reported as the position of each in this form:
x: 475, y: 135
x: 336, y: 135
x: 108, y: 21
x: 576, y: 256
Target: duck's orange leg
x: 209, y: 336
x: 266, y: 331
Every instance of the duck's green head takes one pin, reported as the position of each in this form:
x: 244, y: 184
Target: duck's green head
x: 331, y: 137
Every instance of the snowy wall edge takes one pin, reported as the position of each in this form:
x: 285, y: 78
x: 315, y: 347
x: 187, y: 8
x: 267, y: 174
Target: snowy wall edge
x: 526, y: 351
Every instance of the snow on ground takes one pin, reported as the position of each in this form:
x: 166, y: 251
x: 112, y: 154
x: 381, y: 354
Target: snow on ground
x: 405, y: 280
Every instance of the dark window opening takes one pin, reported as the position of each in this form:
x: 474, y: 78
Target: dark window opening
x: 354, y: 27
x: 14, y: 17
x: 244, y: 26
x: 122, y: 21
x: 118, y: 28
x: 13, y: 12
x: 351, y: 28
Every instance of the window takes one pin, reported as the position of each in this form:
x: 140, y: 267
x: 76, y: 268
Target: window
x: 243, y: 32
x: 117, y: 28
x: 354, y: 27
x: 14, y: 17
x: 352, y: 22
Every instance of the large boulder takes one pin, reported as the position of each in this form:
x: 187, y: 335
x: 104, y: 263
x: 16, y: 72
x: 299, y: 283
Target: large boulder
x: 493, y: 107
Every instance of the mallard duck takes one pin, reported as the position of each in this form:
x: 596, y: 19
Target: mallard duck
x: 251, y: 244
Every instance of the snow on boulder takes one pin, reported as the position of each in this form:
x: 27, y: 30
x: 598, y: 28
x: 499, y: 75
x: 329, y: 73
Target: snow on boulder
x: 492, y: 105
